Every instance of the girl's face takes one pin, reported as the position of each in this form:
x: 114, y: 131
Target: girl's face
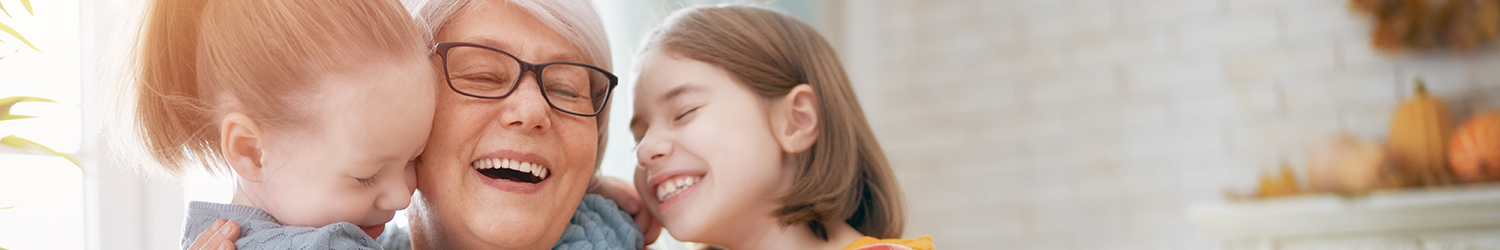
x: 353, y: 160
x: 706, y: 151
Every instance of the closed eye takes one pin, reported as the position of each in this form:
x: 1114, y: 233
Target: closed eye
x: 367, y: 181
x: 686, y: 113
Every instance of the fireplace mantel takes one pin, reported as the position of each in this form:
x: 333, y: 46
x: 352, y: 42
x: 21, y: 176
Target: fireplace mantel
x: 1428, y: 218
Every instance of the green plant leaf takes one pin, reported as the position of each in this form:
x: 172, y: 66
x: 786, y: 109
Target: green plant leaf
x: 4, y: 208
x: 27, y: 4
x: 17, y: 117
x: 12, y: 32
x: 24, y: 144
x: 7, y: 13
x: 6, y: 103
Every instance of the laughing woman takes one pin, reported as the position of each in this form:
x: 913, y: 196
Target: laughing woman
x: 517, y: 134
x: 526, y: 90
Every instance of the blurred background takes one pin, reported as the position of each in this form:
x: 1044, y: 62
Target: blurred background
x: 1011, y: 124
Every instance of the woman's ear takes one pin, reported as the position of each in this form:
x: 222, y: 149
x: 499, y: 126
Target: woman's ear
x: 241, y: 141
x: 795, y: 119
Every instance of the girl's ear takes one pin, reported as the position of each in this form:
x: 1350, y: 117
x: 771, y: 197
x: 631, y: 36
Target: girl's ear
x: 242, y: 141
x: 794, y: 119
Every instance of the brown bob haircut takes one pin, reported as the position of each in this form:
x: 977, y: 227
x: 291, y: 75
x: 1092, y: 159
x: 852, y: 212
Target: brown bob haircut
x: 845, y: 175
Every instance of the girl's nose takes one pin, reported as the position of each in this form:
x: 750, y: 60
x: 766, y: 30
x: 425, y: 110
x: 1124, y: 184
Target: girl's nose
x: 652, y: 151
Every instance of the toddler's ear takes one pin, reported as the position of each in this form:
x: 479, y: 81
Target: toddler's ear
x: 241, y: 141
x: 794, y: 119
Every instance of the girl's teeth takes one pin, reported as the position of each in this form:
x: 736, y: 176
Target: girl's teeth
x: 671, y: 188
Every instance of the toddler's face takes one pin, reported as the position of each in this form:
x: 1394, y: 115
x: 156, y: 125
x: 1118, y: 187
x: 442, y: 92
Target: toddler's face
x: 354, y: 160
x: 706, y: 151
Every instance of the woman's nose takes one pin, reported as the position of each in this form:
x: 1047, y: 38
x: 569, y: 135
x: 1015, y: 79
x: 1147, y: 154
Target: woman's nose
x: 526, y: 109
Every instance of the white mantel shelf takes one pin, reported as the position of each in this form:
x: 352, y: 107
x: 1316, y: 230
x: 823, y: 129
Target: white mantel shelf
x: 1431, y: 218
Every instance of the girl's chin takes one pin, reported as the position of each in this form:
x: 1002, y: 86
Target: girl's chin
x: 686, y: 229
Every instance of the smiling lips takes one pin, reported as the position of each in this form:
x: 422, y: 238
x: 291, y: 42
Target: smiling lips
x: 672, y: 187
x: 512, y: 170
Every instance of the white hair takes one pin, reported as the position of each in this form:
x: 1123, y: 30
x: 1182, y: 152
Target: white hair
x: 575, y: 20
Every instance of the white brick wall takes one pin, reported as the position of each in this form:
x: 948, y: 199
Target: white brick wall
x: 1092, y: 124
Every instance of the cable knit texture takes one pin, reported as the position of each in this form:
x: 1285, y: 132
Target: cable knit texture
x: 258, y: 230
x: 598, y: 224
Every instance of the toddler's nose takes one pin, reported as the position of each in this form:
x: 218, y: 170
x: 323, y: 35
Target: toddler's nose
x: 395, y: 194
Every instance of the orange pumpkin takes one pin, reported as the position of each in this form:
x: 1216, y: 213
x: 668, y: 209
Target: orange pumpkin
x: 1475, y: 150
x: 1419, y: 136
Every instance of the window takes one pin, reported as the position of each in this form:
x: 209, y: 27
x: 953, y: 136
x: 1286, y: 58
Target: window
x: 44, y: 192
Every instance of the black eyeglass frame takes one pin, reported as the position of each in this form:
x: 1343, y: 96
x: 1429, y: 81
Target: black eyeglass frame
x: 441, y: 49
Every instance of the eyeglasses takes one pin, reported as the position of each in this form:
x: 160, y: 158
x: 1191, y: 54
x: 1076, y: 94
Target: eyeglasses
x: 485, y: 72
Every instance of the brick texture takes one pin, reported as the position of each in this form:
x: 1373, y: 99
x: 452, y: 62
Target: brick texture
x: 1093, y: 124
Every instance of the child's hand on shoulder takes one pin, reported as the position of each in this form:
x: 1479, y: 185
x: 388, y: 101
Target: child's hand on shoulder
x: 220, y: 236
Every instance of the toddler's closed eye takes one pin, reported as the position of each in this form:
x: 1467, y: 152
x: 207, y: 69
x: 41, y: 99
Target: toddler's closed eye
x: 367, y: 181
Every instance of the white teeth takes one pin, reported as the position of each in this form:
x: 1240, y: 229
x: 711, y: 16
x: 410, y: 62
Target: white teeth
x: 671, y: 188
x: 524, y: 167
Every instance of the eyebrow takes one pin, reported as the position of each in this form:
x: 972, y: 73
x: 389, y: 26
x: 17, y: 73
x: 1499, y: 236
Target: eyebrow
x: 671, y: 94
x: 486, y: 41
x: 551, y: 54
x: 680, y: 90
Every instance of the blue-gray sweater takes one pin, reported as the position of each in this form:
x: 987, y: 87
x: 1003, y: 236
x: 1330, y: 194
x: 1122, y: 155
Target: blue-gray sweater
x: 259, y: 231
x: 597, y: 224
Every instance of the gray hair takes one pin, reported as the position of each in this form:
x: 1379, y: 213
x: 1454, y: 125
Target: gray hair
x: 575, y: 20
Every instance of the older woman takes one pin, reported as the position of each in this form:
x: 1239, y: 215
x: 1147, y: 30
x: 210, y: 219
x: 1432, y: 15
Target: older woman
x: 549, y: 120
x: 518, y: 132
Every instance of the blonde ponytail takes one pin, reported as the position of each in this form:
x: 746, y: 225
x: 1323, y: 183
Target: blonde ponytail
x: 174, y: 120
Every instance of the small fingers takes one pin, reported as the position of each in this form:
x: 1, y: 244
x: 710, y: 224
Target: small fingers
x: 228, y: 234
x: 208, y: 239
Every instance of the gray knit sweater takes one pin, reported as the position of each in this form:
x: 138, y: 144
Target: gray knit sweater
x: 258, y: 230
x: 598, y: 224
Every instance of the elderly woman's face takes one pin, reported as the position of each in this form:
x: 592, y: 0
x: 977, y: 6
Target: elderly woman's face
x: 465, y: 207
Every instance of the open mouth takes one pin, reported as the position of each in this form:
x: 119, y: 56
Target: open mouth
x: 675, y: 186
x: 511, y: 170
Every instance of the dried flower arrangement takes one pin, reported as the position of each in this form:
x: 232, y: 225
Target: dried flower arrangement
x: 1424, y: 25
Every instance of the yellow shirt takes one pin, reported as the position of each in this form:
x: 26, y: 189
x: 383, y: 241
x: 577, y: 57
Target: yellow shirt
x: 869, y: 243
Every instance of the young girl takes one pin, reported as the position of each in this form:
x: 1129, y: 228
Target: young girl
x: 750, y: 137
x: 317, y: 108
